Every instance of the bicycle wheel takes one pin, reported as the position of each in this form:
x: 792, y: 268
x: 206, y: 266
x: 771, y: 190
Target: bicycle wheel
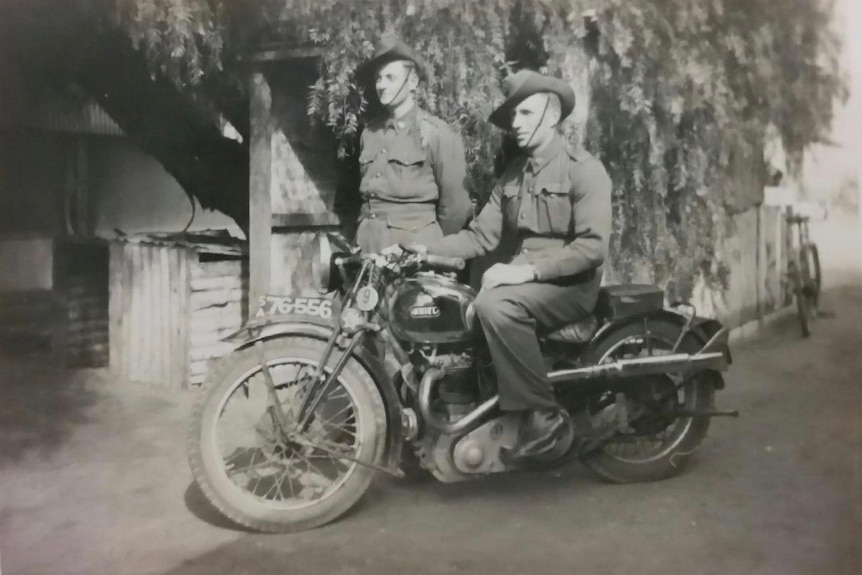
x: 802, y: 302
x: 809, y: 287
x: 816, y: 277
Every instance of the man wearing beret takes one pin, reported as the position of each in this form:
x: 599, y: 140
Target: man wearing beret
x: 553, y: 204
x: 412, y: 164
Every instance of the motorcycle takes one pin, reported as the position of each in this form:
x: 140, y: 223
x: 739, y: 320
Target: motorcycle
x: 389, y: 372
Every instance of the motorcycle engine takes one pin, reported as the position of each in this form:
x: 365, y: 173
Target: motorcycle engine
x: 459, y: 391
x: 452, y: 458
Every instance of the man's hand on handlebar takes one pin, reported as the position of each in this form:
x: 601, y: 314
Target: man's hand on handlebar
x: 395, y: 251
x: 420, y: 255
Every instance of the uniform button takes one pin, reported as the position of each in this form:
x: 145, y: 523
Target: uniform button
x: 372, y: 196
x: 525, y: 250
x: 383, y: 150
x: 377, y: 175
x: 372, y: 216
x: 523, y: 216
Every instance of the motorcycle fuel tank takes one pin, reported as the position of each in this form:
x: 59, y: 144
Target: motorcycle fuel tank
x: 433, y: 309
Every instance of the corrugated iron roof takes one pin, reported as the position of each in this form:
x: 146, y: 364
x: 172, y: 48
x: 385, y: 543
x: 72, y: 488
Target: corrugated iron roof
x: 209, y: 241
x: 21, y: 106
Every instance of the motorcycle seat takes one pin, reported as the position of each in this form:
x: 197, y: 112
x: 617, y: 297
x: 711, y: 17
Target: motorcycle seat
x: 578, y: 332
x: 615, y: 302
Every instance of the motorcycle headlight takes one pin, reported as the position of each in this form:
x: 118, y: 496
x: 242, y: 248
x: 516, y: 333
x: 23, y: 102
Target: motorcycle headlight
x: 326, y: 247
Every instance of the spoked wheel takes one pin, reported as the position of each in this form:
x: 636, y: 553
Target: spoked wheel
x: 652, y: 429
x: 815, y: 279
x: 268, y: 480
x: 816, y: 273
x: 801, y: 292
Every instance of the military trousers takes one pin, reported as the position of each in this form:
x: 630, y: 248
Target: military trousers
x: 511, y: 317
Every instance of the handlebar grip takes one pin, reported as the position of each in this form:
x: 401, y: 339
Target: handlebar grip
x: 445, y: 263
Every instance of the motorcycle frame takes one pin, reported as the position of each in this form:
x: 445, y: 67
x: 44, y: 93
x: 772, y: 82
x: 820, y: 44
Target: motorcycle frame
x: 708, y: 331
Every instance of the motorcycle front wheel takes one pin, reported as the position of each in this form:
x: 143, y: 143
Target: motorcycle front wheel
x: 656, y: 432
x: 258, y: 477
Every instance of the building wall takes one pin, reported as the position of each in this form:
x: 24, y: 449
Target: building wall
x: 132, y: 192
x: 756, y: 263
x: 33, y: 168
x: 26, y: 264
x: 294, y: 192
x: 125, y: 188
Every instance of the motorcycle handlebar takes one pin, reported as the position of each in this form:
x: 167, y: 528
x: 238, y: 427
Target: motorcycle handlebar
x: 445, y: 263
x: 442, y: 263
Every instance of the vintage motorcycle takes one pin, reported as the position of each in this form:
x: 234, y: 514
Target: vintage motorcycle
x: 390, y: 372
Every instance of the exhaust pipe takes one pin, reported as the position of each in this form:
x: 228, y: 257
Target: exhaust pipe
x: 464, y: 424
x: 712, y: 356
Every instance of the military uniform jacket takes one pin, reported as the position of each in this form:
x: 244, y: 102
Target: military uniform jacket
x: 554, y: 210
x: 414, y: 166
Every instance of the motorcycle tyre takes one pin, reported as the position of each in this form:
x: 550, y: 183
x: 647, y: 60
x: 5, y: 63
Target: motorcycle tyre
x: 673, y: 462
x: 208, y: 469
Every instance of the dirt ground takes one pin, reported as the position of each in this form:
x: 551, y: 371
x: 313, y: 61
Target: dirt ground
x: 94, y: 479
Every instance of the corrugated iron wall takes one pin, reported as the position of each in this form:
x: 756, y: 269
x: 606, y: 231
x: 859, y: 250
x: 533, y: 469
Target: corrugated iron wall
x: 170, y: 306
x: 149, y: 313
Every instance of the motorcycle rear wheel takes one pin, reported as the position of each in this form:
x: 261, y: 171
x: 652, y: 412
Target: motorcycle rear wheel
x: 275, y: 486
x: 662, y: 444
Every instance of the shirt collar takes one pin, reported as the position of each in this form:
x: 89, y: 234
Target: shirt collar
x: 407, y: 120
x: 554, y: 148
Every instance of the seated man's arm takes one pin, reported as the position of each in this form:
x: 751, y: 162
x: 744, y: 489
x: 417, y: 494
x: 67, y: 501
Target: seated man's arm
x: 591, y: 187
x: 450, y: 173
x: 480, y: 237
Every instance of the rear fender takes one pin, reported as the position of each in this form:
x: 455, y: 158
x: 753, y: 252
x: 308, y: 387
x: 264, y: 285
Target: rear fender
x: 306, y: 326
x: 701, y: 328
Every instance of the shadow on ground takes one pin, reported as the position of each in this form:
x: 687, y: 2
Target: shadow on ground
x: 199, y: 506
x: 40, y: 404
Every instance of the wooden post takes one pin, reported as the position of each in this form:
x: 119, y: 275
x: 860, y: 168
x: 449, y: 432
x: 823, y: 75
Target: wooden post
x: 260, y: 174
x: 293, y: 176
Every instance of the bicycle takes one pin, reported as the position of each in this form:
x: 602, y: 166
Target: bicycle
x: 803, y: 269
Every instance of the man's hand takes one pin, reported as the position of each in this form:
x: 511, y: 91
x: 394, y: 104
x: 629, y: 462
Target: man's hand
x: 396, y: 250
x: 506, y: 275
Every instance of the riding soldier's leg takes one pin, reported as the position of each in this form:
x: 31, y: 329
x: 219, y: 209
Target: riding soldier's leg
x: 510, y: 317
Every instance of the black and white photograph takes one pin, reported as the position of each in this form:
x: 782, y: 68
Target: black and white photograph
x: 423, y: 287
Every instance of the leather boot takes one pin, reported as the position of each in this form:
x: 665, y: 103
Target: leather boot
x: 538, y: 433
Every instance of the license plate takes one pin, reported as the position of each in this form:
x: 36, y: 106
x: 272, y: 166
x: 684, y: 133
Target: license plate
x: 270, y: 305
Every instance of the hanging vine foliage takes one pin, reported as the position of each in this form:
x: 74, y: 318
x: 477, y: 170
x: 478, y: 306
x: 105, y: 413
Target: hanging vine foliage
x: 677, y: 89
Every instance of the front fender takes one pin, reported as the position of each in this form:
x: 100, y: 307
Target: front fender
x: 283, y: 325
x: 308, y: 326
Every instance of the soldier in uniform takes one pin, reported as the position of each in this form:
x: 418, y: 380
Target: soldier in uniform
x: 412, y: 164
x: 553, y: 204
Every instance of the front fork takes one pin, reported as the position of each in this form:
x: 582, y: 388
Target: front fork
x: 322, y: 383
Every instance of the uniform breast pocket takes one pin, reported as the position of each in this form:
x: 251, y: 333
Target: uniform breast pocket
x: 554, y: 209
x: 369, y: 153
x: 510, y: 203
x: 407, y: 163
x: 366, y: 158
